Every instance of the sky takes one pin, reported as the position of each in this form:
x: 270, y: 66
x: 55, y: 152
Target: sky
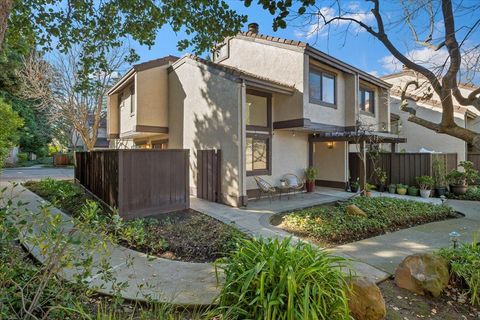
x: 356, y: 47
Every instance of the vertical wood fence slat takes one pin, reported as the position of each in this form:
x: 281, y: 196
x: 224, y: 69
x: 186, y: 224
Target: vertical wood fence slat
x: 136, y: 182
x: 209, y: 174
x: 402, y: 167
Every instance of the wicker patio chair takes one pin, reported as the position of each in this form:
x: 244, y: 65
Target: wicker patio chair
x: 294, y: 182
x: 265, y: 188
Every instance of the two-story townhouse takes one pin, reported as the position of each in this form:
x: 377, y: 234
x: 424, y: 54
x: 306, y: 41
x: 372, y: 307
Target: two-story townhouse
x: 418, y: 137
x: 273, y: 106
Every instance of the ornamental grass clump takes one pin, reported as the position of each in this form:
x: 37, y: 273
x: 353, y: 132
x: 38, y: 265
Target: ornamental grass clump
x: 281, y: 280
x: 465, y: 267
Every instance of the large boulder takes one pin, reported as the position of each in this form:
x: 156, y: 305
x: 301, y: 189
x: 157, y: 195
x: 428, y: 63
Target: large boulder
x: 355, y: 211
x: 423, y: 273
x: 365, y: 300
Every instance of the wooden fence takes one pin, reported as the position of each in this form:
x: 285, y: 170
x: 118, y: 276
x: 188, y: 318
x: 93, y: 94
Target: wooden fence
x: 475, y: 158
x: 401, y: 167
x: 136, y: 182
x: 209, y: 174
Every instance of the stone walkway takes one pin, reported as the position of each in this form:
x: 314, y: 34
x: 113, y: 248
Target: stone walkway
x: 149, y: 278
x: 376, y: 257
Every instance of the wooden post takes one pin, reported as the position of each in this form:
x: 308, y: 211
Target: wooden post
x: 363, y: 165
x: 393, y: 147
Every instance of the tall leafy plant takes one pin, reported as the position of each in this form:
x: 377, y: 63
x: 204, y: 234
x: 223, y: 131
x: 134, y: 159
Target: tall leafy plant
x: 281, y: 280
x: 10, y: 123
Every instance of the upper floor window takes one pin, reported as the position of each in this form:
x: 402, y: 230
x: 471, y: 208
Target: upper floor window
x: 258, y: 110
x: 132, y: 99
x: 366, y: 100
x: 322, y: 88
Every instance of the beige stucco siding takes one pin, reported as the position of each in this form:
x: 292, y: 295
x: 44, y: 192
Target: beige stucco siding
x: 331, y: 163
x: 152, y: 97
x: 128, y: 120
x: 320, y: 113
x: 275, y: 62
x: 113, y: 115
x: 419, y: 137
x: 289, y: 155
x: 208, y: 106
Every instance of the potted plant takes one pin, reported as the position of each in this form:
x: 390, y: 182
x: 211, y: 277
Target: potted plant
x: 402, y: 189
x: 310, y: 176
x: 368, y: 189
x: 439, y: 173
x: 283, y: 182
x: 354, y: 186
x: 392, y: 188
x: 381, y: 179
x: 412, y: 191
x: 425, y: 183
x: 458, y: 182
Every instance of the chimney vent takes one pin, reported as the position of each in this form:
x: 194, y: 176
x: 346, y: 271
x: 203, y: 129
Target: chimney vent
x: 253, y: 27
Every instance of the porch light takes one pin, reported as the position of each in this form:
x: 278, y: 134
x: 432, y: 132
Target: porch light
x: 454, y: 235
x: 330, y: 145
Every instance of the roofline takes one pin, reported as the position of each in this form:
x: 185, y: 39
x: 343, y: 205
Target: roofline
x: 321, y: 56
x: 141, y: 67
x: 250, y: 78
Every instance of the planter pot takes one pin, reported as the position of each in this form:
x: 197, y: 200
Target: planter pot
x: 425, y: 193
x: 368, y: 194
x: 310, y: 186
x: 440, y: 191
x: 354, y: 189
x: 458, y: 190
x: 392, y: 189
x: 381, y: 188
x: 402, y: 191
x: 413, y: 192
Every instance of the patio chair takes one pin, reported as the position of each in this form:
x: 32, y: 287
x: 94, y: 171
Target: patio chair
x: 294, y: 182
x: 265, y: 188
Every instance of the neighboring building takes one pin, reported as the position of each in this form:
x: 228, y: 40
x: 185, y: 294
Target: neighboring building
x: 76, y: 141
x: 273, y: 106
x: 422, y: 139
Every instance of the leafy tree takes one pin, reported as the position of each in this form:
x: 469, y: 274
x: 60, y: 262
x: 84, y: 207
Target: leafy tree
x: 11, y: 122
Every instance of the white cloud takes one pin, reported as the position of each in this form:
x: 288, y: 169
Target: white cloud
x: 374, y: 73
x: 352, y: 10
x: 426, y: 57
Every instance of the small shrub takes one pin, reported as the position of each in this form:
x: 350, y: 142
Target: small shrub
x: 465, y: 265
x: 425, y: 182
x: 281, y: 280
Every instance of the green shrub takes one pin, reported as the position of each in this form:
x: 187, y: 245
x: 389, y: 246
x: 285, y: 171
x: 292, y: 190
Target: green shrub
x: 465, y: 265
x: 22, y: 156
x: 331, y: 224
x: 473, y: 194
x: 281, y: 280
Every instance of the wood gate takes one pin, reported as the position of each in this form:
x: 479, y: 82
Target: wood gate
x: 209, y: 174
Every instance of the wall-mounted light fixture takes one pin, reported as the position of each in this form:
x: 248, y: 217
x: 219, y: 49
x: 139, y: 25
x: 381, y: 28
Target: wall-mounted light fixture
x: 330, y: 145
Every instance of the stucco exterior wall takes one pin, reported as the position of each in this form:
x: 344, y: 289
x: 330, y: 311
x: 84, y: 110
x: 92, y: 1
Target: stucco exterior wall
x: 211, y: 113
x: 289, y: 155
x: 331, y: 163
x: 419, y: 137
x: 276, y: 62
x: 324, y: 114
x: 128, y: 120
x: 113, y: 115
x: 151, y: 88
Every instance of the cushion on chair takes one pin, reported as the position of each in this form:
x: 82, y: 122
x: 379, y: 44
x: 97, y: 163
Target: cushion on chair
x: 262, y: 184
x: 292, y: 181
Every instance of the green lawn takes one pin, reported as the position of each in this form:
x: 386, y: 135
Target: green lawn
x: 329, y: 225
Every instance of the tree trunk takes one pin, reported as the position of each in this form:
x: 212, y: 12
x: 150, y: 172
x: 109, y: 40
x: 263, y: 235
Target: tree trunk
x: 5, y: 8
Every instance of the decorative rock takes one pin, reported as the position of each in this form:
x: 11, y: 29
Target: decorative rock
x: 355, y: 211
x: 365, y: 300
x: 423, y: 273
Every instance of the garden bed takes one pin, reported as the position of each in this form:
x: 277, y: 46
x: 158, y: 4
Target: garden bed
x: 183, y: 235
x: 330, y: 225
x: 473, y: 194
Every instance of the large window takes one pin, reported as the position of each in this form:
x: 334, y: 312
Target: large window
x: 258, y: 154
x: 322, y: 88
x: 366, y: 101
x: 258, y: 110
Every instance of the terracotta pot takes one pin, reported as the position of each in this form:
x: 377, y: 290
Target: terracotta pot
x: 458, y: 190
x: 310, y: 186
x: 368, y: 194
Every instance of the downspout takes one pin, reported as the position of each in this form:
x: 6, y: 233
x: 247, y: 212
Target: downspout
x: 243, y: 193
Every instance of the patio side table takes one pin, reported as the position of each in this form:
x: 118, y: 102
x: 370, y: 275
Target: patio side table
x: 282, y: 190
